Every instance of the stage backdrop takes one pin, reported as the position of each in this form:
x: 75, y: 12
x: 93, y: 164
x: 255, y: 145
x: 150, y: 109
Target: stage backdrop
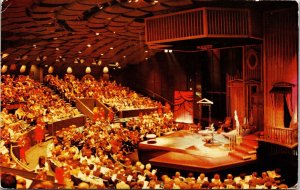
x: 183, y: 106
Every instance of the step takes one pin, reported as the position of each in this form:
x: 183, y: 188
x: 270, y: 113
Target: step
x: 249, y: 143
x: 245, y: 149
x: 239, y: 155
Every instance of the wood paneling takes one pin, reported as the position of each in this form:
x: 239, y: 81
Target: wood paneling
x: 280, y: 60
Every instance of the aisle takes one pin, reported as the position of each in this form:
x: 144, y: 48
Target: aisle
x: 33, y: 154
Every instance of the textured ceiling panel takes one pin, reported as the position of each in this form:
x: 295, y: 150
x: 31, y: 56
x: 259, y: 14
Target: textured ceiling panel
x: 65, y: 27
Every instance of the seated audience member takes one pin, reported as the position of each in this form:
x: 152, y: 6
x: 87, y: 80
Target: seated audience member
x: 201, y: 178
x: 216, y: 180
x: 42, y: 165
x: 8, y: 181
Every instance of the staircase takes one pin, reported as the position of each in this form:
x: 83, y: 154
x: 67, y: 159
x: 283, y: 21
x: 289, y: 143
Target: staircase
x: 246, y: 150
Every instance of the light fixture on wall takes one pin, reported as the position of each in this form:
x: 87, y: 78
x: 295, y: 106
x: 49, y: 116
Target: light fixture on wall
x: 69, y: 70
x: 50, y: 69
x: 4, y: 69
x: 23, y: 69
x: 105, y: 70
x: 5, y: 55
x: 88, y: 70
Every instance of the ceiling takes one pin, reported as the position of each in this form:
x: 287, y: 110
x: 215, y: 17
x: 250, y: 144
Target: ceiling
x: 59, y: 32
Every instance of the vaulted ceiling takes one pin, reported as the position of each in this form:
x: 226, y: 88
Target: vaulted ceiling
x: 56, y: 32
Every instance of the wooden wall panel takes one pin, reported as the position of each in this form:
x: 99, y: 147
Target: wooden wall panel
x: 280, y: 60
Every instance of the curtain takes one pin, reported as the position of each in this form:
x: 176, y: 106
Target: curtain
x: 183, y: 106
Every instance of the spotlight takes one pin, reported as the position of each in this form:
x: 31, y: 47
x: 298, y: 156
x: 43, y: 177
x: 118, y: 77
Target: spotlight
x: 166, y: 51
x: 170, y: 51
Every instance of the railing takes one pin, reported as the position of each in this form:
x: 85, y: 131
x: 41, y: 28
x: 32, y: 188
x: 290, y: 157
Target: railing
x: 232, y: 142
x: 286, y: 136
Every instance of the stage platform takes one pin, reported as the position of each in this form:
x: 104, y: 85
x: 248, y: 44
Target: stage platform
x: 184, y: 150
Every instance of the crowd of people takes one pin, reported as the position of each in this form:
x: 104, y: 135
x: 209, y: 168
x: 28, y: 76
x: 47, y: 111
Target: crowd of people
x: 110, y: 93
x: 96, y: 155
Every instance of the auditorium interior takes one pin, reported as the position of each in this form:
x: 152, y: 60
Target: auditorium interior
x: 149, y: 94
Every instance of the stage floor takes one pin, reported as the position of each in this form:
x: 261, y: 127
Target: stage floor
x: 186, y: 150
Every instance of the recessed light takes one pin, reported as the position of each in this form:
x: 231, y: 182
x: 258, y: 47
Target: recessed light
x: 97, y: 33
x: 146, y: 51
x: 114, y: 32
x: 56, y: 49
x: 34, y: 45
x: 111, y: 48
x: 124, y: 56
x: 101, y: 54
x: 89, y: 45
x: 166, y: 51
x: 55, y: 38
x: 79, y: 52
x: 170, y: 51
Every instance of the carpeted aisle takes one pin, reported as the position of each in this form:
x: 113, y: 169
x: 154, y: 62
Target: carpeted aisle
x: 33, y: 154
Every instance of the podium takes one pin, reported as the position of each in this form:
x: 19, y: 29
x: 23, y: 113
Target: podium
x: 205, y: 102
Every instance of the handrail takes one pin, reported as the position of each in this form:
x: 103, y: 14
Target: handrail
x: 18, y: 161
x: 288, y: 136
x: 148, y: 91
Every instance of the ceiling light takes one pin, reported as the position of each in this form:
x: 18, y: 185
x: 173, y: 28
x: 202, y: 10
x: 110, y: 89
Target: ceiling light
x: 79, y: 52
x: 166, y: 51
x: 146, y: 51
x: 114, y: 32
x: 38, y: 58
x: 117, y: 63
x: 155, y: 1
x: 34, y: 45
x: 56, y: 49
x: 55, y: 38
x: 60, y: 56
x: 81, y: 60
x: 101, y: 54
x: 64, y: 59
x: 24, y: 57
x: 97, y: 33
x: 124, y: 56
x: 99, y: 62
x: 111, y: 48
x: 44, y: 58
x: 76, y: 61
x: 89, y: 45
x: 146, y: 58
x: 46, y: 65
x: 136, y: 1
x: 170, y: 51
x: 57, y: 60
x: 129, y: 1
x: 101, y: 7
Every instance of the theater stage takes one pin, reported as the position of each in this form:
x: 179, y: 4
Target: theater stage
x: 184, y: 150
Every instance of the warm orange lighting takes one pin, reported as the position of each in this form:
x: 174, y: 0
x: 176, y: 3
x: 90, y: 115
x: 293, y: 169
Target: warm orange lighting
x: 105, y: 70
x: 88, y: 70
x: 23, y: 69
x: 69, y: 70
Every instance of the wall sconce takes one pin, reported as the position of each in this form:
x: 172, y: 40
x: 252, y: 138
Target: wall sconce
x: 4, y: 69
x: 88, y: 70
x: 50, y: 69
x: 105, y: 70
x: 23, y: 69
x: 69, y: 70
